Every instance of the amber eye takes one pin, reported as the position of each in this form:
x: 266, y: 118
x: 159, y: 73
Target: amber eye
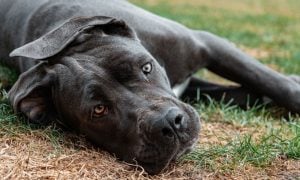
x: 147, y: 68
x: 100, y: 110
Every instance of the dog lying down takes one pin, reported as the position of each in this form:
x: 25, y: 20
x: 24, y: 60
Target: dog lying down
x: 107, y: 68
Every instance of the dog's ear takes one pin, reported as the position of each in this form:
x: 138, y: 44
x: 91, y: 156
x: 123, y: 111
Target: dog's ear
x: 32, y: 94
x: 55, y: 41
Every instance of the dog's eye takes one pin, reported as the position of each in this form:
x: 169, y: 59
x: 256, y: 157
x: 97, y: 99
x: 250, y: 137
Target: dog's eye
x: 100, y: 110
x: 147, y: 68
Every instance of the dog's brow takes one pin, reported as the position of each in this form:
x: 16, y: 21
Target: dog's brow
x: 94, y: 91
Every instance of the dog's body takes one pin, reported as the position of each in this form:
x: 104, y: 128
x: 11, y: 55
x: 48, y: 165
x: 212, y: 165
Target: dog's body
x: 155, y: 32
x: 72, y: 29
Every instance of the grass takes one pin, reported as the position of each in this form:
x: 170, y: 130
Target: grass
x: 12, y: 125
x: 262, y: 142
x: 266, y: 139
x: 7, y: 76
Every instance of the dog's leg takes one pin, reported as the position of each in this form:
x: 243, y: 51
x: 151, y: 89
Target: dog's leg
x: 235, y: 95
x: 229, y: 62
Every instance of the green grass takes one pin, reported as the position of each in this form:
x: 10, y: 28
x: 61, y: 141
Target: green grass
x: 275, y: 31
x: 14, y: 125
x: 278, y: 138
x: 7, y: 76
x: 244, y: 150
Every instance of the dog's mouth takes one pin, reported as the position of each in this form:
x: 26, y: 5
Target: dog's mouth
x: 159, y: 165
x: 155, y: 159
x: 153, y: 168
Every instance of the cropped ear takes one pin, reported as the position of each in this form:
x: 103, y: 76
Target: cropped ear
x: 32, y: 94
x: 56, y: 40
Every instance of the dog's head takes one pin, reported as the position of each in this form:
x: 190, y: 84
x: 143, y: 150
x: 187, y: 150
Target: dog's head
x: 96, y: 77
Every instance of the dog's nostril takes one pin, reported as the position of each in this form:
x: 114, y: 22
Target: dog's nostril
x: 175, y: 118
x: 178, y: 120
x: 167, y: 132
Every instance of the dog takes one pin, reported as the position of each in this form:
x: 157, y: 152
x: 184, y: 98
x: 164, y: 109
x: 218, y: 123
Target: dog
x: 115, y: 72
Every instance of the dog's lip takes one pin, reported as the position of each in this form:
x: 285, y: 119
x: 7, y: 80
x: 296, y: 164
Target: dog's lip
x: 153, y: 168
x: 158, y: 166
x: 187, y: 149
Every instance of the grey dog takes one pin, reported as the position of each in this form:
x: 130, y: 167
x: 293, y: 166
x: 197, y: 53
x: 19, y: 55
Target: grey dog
x: 107, y: 69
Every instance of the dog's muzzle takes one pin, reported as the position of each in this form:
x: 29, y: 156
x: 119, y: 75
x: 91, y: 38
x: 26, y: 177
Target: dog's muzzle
x: 166, y: 138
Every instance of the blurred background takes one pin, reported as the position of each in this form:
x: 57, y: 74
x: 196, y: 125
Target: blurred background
x: 267, y: 29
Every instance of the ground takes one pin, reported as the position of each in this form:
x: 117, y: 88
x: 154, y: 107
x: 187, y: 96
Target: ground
x: 260, y: 143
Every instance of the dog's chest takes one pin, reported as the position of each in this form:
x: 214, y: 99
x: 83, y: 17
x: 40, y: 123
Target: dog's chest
x: 180, y: 88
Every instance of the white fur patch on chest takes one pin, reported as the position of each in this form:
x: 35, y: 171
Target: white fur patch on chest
x: 180, y: 88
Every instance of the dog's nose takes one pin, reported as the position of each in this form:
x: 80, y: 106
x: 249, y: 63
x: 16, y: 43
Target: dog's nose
x: 175, y: 119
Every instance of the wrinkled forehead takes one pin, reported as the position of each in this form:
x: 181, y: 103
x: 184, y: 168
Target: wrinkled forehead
x: 114, y: 48
x: 118, y: 53
x: 116, y: 60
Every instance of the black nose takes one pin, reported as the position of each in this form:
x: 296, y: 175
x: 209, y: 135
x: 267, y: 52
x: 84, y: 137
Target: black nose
x: 174, y: 121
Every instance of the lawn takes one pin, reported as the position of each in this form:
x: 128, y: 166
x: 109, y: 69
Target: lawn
x: 262, y: 142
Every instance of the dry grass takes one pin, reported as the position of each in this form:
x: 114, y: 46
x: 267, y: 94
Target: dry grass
x: 278, y: 170
x: 34, y: 155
